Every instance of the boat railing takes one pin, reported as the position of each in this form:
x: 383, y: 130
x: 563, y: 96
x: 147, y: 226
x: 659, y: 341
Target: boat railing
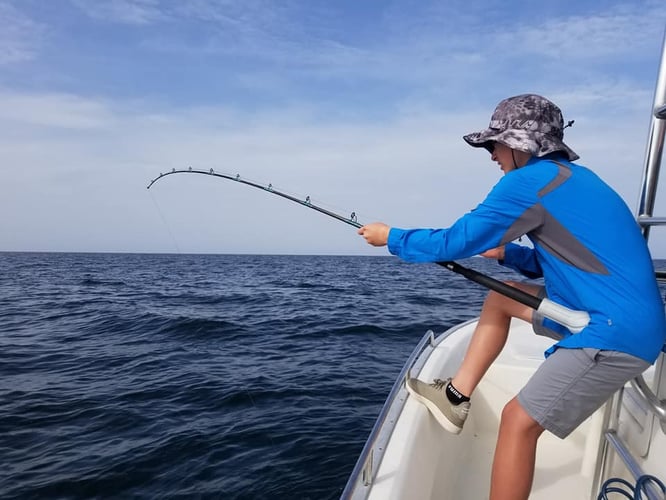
x: 645, y: 217
x: 658, y: 406
x: 660, y: 112
x: 632, y: 465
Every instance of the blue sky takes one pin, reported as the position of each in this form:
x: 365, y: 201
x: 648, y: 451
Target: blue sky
x: 359, y: 105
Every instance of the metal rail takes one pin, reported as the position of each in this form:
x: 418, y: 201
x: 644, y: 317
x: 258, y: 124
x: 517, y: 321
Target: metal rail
x: 614, y: 440
x: 655, y: 404
x: 651, y: 168
x: 645, y: 218
x: 645, y: 221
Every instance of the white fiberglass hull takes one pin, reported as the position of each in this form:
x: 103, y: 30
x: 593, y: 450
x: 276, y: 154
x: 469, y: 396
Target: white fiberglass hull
x: 417, y: 459
x: 424, y: 461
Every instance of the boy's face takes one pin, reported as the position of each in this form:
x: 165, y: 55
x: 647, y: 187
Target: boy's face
x: 502, y: 155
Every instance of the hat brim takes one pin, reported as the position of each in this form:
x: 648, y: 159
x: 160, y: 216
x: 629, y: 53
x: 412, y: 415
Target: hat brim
x: 535, y: 143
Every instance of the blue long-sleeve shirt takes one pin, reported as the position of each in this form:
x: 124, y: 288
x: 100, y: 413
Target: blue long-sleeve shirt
x: 587, y: 246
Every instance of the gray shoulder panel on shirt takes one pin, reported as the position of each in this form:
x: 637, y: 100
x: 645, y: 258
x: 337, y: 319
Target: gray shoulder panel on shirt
x: 562, y: 175
x: 551, y: 235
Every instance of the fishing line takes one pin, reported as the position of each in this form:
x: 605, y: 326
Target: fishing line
x: 575, y: 321
x: 173, y: 238
x: 244, y: 388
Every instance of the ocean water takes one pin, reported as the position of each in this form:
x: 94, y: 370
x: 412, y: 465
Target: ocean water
x: 205, y: 376
x: 194, y: 376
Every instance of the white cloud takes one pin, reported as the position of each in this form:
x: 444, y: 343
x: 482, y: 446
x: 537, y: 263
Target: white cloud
x: 617, y: 32
x: 137, y: 12
x: 87, y: 191
x: 54, y: 110
x: 20, y: 37
x: 418, y: 45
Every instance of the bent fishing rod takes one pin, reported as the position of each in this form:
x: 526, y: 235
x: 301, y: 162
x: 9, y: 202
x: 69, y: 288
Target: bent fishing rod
x: 573, y: 320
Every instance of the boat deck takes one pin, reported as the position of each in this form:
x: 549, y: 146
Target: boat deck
x: 564, y: 468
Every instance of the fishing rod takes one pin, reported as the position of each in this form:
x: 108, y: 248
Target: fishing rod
x: 575, y: 321
x: 351, y: 220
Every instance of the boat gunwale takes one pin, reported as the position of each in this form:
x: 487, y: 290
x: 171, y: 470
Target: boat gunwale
x: 364, y: 472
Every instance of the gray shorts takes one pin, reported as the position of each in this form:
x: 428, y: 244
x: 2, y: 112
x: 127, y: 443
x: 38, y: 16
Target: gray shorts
x: 571, y: 384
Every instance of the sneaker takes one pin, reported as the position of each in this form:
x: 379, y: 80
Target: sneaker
x: 451, y: 417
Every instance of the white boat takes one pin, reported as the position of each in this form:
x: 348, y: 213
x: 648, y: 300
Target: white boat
x: 408, y: 456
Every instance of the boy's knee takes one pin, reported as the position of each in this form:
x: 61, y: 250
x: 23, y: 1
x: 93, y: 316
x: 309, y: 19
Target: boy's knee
x: 516, y: 419
x: 494, y: 299
x: 497, y: 303
x: 496, y: 296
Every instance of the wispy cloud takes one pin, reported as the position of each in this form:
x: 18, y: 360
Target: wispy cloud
x: 617, y: 32
x: 53, y: 110
x: 105, y: 153
x: 134, y: 12
x: 20, y: 36
x: 423, y: 43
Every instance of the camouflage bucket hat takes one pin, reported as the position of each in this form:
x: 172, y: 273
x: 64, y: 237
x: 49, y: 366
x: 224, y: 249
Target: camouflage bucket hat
x: 528, y: 123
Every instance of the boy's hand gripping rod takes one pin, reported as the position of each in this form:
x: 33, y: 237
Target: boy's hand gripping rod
x: 575, y: 321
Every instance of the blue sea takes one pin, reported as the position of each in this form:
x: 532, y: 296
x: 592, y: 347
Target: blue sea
x: 205, y: 376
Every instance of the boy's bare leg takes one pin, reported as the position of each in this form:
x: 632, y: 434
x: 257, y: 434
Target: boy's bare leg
x: 490, y: 336
x: 515, y: 454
